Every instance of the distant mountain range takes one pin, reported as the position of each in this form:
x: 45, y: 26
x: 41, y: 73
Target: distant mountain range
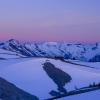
x: 82, y: 52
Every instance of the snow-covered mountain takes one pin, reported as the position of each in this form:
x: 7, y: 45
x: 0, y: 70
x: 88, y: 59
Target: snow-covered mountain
x: 43, y: 77
x: 54, y: 50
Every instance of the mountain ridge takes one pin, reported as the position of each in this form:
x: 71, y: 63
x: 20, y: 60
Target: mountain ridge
x: 77, y: 51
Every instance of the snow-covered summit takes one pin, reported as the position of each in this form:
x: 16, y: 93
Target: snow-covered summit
x: 88, y: 52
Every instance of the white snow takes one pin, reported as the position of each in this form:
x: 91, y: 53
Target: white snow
x: 95, y: 65
x: 30, y: 76
x: 94, y: 95
x: 8, y: 54
x: 82, y: 52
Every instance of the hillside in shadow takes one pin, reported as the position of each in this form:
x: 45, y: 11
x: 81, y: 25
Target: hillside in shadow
x: 8, y: 91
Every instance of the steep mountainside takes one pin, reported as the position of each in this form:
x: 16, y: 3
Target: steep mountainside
x: 54, y: 50
x: 9, y: 91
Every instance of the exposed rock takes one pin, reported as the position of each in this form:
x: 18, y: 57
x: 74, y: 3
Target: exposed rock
x: 8, y: 91
x: 57, y: 75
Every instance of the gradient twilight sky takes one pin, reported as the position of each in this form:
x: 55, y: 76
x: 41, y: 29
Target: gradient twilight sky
x: 50, y: 20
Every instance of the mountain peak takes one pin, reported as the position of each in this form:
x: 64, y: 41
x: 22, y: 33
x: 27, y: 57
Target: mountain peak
x: 13, y: 41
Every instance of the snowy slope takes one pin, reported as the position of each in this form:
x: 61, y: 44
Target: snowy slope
x: 94, y: 95
x: 95, y: 65
x: 55, y: 49
x: 30, y: 76
x: 5, y: 54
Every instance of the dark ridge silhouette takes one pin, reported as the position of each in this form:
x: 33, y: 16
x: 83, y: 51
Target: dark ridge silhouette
x: 57, y: 75
x: 91, y: 87
x: 2, y: 59
x: 8, y: 91
x: 95, y: 59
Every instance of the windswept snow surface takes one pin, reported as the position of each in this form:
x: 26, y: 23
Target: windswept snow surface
x: 5, y: 54
x: 95, y: 65
x: 30, y: 76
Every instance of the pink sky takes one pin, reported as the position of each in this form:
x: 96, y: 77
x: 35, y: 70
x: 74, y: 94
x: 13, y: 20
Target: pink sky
x: 71, y: 21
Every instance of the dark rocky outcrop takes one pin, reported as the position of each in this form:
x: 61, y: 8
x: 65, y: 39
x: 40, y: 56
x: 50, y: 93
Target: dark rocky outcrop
x: 8, y: 91
x: 57, y: 75
x: 95, y: 59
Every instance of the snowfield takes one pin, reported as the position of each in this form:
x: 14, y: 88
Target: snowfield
x: 5, y: 54
x: 94, y: 95
x: 29, y: 75
x: 95, y: 65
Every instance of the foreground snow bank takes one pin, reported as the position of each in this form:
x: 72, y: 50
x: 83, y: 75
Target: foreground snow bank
x: 30, y: 76
x: 94, y: 95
